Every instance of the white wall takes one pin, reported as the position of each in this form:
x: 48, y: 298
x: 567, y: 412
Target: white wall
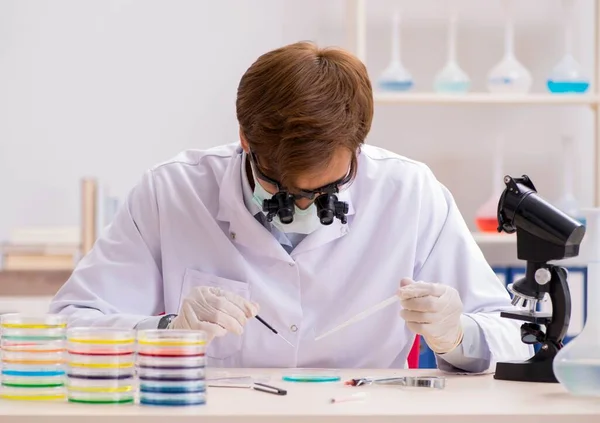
x: 108, y: 88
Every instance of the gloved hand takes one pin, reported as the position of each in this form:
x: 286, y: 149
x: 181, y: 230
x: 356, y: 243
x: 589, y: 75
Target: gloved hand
x: 433, y: 311
x: 214, y: 311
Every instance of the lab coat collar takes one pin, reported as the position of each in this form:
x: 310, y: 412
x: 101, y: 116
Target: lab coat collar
x: 244, y: 229
x: 249, y: 232
x: 254, y: 208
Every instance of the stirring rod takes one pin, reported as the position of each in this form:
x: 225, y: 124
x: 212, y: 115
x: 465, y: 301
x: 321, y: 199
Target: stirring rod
x: 359, y: 396
x: 360, y: 316
x: 260, y: 319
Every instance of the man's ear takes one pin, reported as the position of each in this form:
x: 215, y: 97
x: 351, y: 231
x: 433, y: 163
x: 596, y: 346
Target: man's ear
x: 244, y: 141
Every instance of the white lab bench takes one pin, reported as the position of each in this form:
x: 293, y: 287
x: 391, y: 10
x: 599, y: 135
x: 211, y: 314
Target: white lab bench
x: 466, y: 399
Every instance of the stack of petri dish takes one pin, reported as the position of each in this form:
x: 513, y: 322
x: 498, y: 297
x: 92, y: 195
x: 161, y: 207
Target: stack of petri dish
x: 33, y: 357
x: 171, y: 367
x: 101, y: 365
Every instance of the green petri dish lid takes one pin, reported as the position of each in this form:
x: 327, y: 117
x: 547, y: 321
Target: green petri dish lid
x: 311, y: 375
x: 311, y: 378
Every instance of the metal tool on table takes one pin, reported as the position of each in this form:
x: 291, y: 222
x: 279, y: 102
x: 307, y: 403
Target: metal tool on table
x: 432, y: 382
x: 544, y: 233
x: 245, y: 383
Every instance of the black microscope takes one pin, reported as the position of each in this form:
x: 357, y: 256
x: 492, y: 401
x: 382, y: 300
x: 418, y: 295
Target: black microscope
x: 544, y: 233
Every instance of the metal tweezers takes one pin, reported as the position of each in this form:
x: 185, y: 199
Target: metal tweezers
x: 432, y: 382
x: 262, y: 387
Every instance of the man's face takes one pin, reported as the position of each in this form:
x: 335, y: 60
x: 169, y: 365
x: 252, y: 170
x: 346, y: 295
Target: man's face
x: 336, y: 170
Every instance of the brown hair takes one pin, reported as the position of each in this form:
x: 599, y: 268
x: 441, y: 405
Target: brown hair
x: 298, y: 104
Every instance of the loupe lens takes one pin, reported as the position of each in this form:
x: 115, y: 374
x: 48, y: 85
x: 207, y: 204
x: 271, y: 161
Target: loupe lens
x: 326, y: 216
x: 285, y: 215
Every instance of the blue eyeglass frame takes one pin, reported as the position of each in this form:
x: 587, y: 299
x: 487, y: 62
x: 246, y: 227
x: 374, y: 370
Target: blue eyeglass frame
x: 331, y: 188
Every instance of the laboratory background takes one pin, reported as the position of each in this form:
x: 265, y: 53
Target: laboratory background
x: 95, y: 92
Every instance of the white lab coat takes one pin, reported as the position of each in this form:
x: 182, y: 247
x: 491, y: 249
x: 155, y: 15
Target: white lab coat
x: 185, y: 225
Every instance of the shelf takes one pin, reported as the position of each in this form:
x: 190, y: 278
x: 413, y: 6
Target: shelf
x: 493, y: 238
x: 487, y: 98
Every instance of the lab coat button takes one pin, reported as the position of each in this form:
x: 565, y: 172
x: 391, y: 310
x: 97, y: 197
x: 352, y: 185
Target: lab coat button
x: 294, y: 328
x: 291, y: 264
x: 232, y: 235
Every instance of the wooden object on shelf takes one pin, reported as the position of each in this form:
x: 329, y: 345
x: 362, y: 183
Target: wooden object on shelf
x: 32, y: 283
x: 39, y: 257
x: 88, y: 214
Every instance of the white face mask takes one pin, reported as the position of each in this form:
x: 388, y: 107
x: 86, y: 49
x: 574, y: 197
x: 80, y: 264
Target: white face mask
x: 305, y: 221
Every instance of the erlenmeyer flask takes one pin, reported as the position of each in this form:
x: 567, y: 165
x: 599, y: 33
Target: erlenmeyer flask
x: 486, y: 217
x: 567, y: 76
x: 395, y: 77
x: 577, y: 364
x: 567, y: 201
x: 452, y: 79
x: 509, y: 76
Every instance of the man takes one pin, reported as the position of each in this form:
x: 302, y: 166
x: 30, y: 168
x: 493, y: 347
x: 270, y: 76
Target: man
x: 303, y: 221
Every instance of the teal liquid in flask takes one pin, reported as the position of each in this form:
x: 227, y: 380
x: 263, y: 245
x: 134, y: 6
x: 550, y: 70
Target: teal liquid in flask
x: 567, y: 76
x: 577, y: 364
x: 395, y: 77
x: 451, y: 79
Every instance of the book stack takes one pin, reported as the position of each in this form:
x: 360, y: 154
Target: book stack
x: 43, y: 248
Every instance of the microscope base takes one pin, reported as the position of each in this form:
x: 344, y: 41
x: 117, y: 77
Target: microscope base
x: 526, y: 371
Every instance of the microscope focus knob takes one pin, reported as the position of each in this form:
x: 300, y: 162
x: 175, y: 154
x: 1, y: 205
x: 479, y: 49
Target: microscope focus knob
x: 542, y: 276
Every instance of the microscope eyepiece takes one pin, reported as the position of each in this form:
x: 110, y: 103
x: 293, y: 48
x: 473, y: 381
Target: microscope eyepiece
x: 545, y: 232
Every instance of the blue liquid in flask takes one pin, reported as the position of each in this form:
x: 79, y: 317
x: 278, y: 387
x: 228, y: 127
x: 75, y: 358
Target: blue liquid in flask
x: 396, y: 85
x: 453, y: 87
x: 561, y: 87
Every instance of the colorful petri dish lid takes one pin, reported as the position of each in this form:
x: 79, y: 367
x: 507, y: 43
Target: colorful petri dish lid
x: 33, y: 381
x: 32, y: 335
x: 101, y: 385
x: 171, y: 374
x: 32, y: 321
x: 173, y: 399
x: 170, y: 362
x: 33, y: 346
x: 100, y: 336
x: 311, y: 375
x: 33, y: 393
x: 179, y: 387
x: 101, y: 361
x: 32, y: 357
x: 101, y: 397
x: 171, y: 338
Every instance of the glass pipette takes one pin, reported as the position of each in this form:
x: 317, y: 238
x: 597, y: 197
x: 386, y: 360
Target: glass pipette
x: 272, y: 329
x: 360, y: 316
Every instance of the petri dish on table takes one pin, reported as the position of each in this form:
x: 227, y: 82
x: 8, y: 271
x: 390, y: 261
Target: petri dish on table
x: 171, y: 374
x: 33, y: 321
x: 311, y: 375
x: 162, y: 399
x: 100, y: 341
